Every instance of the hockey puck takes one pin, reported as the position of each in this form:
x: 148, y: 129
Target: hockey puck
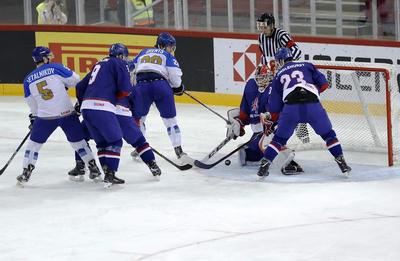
x: 227, y: 162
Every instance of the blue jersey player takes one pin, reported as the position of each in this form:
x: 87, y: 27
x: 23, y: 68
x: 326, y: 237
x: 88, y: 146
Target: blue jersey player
x: 294, y: 99
x: 254, y: 103
x: 107, y: 82
x: 158, y: 78
x: 45, y: 91
x: 130, y: 132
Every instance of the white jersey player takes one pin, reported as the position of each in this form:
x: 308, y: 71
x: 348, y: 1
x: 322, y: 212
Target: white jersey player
x: 158, y: 78
x: 45, y: 91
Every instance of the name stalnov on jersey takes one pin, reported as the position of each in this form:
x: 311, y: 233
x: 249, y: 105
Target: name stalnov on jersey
x: 40, y: 74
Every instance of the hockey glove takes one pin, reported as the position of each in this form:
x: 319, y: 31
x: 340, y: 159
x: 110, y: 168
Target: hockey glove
x: 32, y: 118
x: 178, y: 91
x: 235, y: 129
x: 269, y: 125
x: 77, y: 108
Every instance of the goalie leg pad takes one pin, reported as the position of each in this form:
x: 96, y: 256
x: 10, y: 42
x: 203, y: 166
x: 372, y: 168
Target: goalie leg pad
x: 233, y: 113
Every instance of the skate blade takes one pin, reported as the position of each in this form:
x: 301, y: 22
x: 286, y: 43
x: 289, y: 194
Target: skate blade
x: 79, y: 178
x: 20, y: 184
x: 97, y: 179
x: 260, y: 178
x: 157, y: 178
x: 346, y: 174
x: 107, y: 185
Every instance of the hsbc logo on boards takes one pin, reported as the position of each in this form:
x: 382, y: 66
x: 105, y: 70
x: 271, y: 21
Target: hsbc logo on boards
x: 245, y: 63
x: 82, y: 57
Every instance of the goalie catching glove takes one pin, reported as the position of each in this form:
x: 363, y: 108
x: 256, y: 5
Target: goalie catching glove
x: 235, y: 127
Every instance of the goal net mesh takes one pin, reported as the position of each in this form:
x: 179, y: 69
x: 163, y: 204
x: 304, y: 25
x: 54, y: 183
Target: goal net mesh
x: 362, y: 102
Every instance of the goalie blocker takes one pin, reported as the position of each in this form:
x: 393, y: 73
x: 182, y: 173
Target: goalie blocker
x: 252, y: 153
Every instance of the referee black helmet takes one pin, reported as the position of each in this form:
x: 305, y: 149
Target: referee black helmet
x: 266, y: 18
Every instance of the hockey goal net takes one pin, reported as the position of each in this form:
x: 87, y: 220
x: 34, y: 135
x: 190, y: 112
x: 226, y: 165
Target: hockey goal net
x: 362, y: 102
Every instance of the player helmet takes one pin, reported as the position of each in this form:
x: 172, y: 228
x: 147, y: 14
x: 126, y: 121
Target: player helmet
x: 39, y: 52
x: 265, y: 20
x: 118, y: 49
x: 263, y: 77
x: 166, y: 39
x: 284, y: 54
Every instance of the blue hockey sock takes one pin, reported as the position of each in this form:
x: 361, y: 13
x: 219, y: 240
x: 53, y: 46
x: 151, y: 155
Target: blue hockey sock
x: 332, y: 143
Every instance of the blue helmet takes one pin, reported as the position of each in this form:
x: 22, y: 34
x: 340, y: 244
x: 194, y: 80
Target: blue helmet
x: 165, y: 39
x: 283, y: 54
x: 118, y: 49
x: 39, y: 52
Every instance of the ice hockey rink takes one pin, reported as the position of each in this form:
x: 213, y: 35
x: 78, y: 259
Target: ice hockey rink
x: 216, y: 214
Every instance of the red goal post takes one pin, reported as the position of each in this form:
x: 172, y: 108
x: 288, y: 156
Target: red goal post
x: 362, y: 102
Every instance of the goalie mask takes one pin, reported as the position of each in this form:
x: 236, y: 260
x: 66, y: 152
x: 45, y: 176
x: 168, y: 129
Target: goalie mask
x: 263, y: 77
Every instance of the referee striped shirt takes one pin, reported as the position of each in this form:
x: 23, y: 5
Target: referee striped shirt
x: 269, y: 45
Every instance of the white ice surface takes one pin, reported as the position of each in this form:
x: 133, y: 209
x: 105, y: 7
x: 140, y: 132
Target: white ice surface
x: 216, y: 214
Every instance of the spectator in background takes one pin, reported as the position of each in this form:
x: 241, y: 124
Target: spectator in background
x: 386, y: 14
x: 50, y: 12
x: 143, y: 19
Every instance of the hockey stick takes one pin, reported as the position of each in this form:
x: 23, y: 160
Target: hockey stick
x: 216, y: 149
x: 181, y: 167
x: 208, y: 108
x: 15, y: 153
x: 203, y: 165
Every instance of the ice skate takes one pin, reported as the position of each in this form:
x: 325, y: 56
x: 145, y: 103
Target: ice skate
x: 26, y: 174
x: 293, y: 168
x: 343, y: 165
x: 182, y: 156
x: 77, y: 174
x: 179, y: 152
x: 110, y: 178
x: 263, y: 171
x: 155, y: 170
x: 94, y: 171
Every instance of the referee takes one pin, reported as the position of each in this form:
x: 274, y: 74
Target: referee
x: 272, y: 38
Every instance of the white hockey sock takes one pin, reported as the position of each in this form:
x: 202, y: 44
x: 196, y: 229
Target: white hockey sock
x: 142, y: 124
x: 31, y: 153
x: 174, y: 133
x: 83, y: 150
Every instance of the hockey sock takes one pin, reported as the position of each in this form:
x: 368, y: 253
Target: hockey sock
x: 272, y: 150
x: 109, y: 155
x: 83, y: 150
x: 174, y: 133
x: 144, y: 150
x: 31, y: 153
x: 332, y: 143
x: 274, y: 147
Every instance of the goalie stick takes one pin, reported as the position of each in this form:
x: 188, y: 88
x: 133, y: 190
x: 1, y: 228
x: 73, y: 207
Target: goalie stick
x: 181, y: 167
x: 203, y: 165
x: 208, y: 108
x: 15, y: 153
x: 216, y: 149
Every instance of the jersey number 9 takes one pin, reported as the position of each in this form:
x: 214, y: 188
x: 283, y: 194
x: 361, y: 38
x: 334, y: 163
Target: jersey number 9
x: 46, y: 94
